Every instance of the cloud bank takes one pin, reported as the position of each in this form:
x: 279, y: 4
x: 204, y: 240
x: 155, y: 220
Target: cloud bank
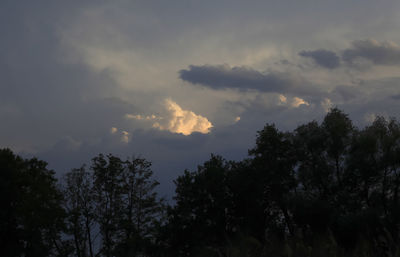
x: 243, y: 78
x: 322, y: 57
x: 71, y: 70
x: 379, y: 53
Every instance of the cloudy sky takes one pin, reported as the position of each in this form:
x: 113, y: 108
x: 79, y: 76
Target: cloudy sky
x: 174, y: 81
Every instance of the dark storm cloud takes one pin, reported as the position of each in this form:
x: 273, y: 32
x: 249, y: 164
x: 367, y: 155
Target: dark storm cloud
x: 43, y: 96
x: 245, y: 78
x: 379, y: 53
x: 323, y: 58
x: 47, y: 99
x: 223, y: 76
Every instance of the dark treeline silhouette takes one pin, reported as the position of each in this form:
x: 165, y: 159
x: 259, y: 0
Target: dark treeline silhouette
x: 326, y: 189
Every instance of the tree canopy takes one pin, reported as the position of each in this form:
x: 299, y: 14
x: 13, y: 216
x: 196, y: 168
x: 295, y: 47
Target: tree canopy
x: 31, y: 212
x: 323, y: 189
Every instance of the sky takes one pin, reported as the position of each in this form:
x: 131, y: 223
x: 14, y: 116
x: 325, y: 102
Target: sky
x: 174, y: 81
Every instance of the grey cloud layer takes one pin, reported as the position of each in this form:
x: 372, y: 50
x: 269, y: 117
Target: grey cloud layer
x: 223, y: 76
x: 245, y: 78
x: 378, y: 53
x: 322, y: 57
x: 45, y: 97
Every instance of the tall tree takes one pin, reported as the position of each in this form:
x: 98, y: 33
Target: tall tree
x: 107, y: 178
x: 338, y: 130
x: 31, y: 213
x: 274, y: 160
x: 117, y: 199
x: 142, y: 209
x: 200, y: 220
x: 80, y: 207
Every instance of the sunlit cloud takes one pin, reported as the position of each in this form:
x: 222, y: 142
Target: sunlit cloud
x: 282, y: 99
x: 135, y: 117
x: 183, y: 121
x: 113, y: 130
x: 125, y: 136
x: 297, y: 101
x: 293, y: 102
x: 141, y: 117
x: 176, y: 120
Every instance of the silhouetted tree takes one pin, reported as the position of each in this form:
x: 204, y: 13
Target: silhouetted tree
x: 31, y: 214
x: 200, y: 220
x: 324, y: 189
x: 142, y: 209
x: 274, y: 160
x: 80, y: 206
x: 116, y: 200
x: 107, y: 179
x: 338, y: 130
x: 247, y: 196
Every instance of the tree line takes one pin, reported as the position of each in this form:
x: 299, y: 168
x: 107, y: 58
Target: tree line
x: 323, y: 189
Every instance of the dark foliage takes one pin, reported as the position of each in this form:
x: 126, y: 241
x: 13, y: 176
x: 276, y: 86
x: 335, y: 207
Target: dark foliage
x: 31, y: 214
x: 326, y: 189
x: 112, y: 208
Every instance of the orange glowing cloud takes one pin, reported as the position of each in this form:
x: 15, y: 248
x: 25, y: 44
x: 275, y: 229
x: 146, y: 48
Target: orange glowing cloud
x: 176, y: 120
